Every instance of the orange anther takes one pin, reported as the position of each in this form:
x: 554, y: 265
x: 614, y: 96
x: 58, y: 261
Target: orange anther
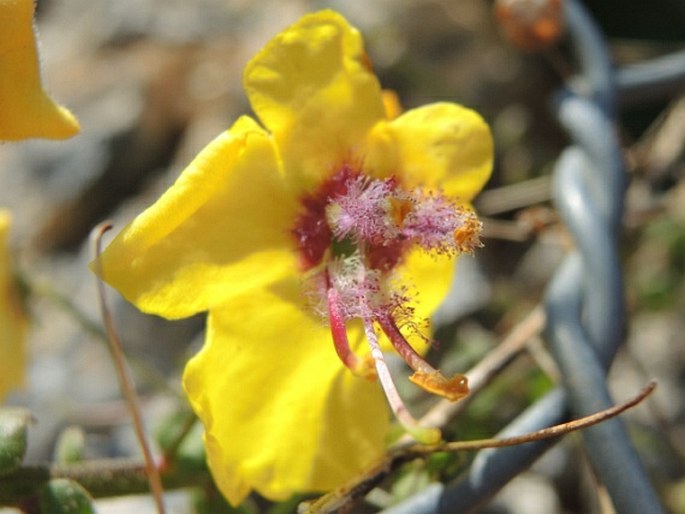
x: 453, y: 389
x: 399, y: 208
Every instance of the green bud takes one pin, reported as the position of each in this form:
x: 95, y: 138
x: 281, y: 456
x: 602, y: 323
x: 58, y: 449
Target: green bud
x: 63, y: 496
x: 13, y: 428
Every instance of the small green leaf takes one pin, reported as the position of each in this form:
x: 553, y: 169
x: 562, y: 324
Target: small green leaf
x: 13, y: 428
x: 70, y: 445
x: 189, y: 452
x: 63, y: 496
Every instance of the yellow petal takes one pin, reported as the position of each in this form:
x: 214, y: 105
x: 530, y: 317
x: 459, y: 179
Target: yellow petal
x: 13, y: 323
x: 220, y: 230
x: 430, y: 278
x: 392, y: 104
x: 25, y: 109
x: 313, y: 89
x: 440, y: 145
x: 281, y: 413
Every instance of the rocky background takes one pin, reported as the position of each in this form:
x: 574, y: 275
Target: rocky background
x: 152, y: 81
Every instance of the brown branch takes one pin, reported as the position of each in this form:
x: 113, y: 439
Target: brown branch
x: 482, y: 373
x: 554, y: 431
x: 101, y: 478
x: 345, y: 498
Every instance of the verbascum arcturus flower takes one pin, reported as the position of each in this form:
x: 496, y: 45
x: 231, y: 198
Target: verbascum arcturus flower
x: 315, y: 238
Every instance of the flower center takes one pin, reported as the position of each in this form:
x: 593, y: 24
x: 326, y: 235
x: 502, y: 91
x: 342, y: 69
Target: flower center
x: 351, y: 236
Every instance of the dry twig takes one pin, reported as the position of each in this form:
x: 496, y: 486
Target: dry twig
x: 345, y: 498
x: 125, y: 381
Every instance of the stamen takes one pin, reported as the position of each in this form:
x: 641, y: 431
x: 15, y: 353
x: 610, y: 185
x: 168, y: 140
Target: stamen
x: 359, y: 289
x: 467, y: 236
x: 413, y: 359
x: 352, y: 234
x: 438, y: 225
x: 425, y: 376
x: 453, y: 389
x: 360, y: 367
x: 399, y: 208
x: 360, y: 213
x: 425, y: 435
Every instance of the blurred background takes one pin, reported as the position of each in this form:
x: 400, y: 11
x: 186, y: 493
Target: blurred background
x: 153, y: 81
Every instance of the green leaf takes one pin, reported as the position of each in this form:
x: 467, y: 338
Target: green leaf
x: 63, y: 496
x: 13, y: 428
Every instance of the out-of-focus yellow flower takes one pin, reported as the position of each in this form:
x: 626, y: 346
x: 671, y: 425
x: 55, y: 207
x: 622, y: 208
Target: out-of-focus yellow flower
x: 13, y: 322
x: 26, y: 111
x: 328, y: 222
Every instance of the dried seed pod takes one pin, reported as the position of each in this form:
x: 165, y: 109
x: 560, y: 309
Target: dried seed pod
x: 531, y: 25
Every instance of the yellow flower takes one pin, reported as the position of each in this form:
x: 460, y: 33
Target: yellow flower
x: 25, y: 109
x: 303, y: 237
x: 12, y: 320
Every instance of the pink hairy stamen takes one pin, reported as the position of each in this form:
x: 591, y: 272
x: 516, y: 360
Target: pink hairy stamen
x: 353, y: 232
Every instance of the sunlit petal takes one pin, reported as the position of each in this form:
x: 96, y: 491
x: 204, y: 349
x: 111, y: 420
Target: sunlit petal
x: 280, y: 412
x: 312, y: 87
x: 25, y: 108
x: 442, y: 144
x: 220, y: 230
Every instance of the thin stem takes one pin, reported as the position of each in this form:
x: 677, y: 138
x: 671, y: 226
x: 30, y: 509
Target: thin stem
x: 171, y: 452
x: 556, y: 430
x: 125, y: 381
x: 346, y: 497
x: 483, y: 372
x: 46, y: 290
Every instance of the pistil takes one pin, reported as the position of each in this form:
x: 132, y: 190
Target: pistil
x: 426, y: 435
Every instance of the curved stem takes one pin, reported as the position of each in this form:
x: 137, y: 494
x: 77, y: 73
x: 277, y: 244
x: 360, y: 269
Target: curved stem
x: 125, y: 381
